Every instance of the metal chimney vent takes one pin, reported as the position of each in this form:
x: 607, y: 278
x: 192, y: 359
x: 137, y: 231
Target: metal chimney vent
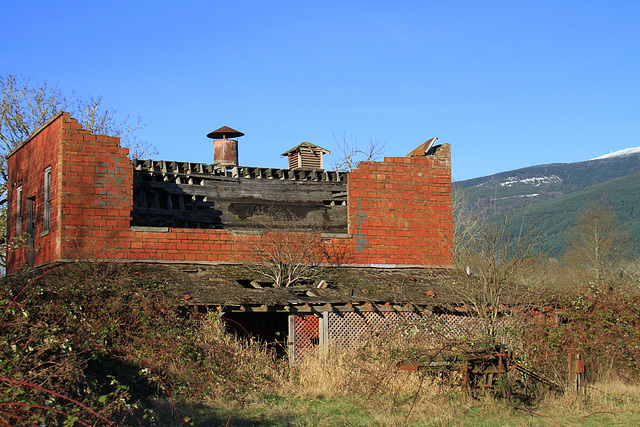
x: 225, y: 149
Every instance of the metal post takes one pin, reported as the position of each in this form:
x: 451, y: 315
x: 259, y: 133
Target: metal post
x: 570, y: 378
x: 576, y: 373
x: 579, y: 370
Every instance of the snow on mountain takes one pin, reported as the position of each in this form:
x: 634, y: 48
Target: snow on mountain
x: 536, y: 181
x: 619, y: 153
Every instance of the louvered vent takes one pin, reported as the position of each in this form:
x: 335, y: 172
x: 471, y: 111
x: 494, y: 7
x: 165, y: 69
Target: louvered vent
x: 306, y: 156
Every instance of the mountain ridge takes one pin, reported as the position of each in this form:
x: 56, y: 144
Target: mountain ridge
x: 554, y: 193
x: 548, y: 181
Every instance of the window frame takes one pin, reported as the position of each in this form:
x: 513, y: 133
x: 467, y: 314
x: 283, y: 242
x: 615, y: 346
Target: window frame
x: 46, y: 206
x: 19, y: 211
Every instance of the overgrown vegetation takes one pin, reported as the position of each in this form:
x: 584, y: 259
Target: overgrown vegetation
x: 87, y: 343
x: 100, y: 344
x: 493, y: 259
x: 600, y: 322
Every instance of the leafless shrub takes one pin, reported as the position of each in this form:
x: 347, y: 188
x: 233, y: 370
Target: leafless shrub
x: 493, y: 259
x: 596, y: 244
x: 288, y: 249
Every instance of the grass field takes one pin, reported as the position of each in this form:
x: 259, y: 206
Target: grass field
x: 364, y: 387
x: 606, y: 404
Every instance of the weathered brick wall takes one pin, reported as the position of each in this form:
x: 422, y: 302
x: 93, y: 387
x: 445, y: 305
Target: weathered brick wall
x: 26, y: 167
x: 95, y: 194
x: 399, y: 210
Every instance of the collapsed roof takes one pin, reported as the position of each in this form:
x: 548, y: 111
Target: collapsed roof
x: 236, y: 288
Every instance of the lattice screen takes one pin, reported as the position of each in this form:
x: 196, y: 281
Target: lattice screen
x: 346, y: 328
x: 459, y: 327
x: 306, y: 333
x: 471, y: 328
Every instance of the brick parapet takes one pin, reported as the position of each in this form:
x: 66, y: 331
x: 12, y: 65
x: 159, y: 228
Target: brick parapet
x: 400, y: 210
x: 96, y: 194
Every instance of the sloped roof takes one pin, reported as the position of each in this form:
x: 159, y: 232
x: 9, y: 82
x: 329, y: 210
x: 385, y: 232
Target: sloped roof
x: 306, y: 145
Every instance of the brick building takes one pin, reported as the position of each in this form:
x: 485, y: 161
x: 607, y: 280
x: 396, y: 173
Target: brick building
x: 76, y: 195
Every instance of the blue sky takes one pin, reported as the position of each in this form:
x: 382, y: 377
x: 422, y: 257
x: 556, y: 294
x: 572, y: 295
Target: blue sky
x: 508, y: 84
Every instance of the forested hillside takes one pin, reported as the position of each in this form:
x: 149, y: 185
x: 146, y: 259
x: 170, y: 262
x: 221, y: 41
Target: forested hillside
x: 552, y: 220
x: 546, y: 198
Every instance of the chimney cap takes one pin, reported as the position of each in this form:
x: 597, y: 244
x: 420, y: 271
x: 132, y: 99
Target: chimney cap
x: 225, y: 132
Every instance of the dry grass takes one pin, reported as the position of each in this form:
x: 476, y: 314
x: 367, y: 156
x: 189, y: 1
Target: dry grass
x: 369, y: 368
x: 363, y: 386
x: 249, y: 359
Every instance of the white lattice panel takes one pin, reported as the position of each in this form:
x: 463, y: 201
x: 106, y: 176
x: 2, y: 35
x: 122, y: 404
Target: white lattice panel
x: 346, y: 328
x: 459, y: 327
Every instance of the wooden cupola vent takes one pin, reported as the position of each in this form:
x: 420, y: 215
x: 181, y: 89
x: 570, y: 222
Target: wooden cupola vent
x: 305, y: 156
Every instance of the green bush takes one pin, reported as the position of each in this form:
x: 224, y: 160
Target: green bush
x: 601, y: 323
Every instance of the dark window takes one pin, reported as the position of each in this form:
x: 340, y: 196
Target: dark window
x: 46, y: 219
x: 19, y: 211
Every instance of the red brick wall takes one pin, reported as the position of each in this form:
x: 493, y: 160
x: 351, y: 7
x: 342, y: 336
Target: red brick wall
x: 399, y: 210
x: 95, y: 194
x: 26, y: 168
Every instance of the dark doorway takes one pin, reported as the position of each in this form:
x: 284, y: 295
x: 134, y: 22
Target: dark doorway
x: 271, y: 328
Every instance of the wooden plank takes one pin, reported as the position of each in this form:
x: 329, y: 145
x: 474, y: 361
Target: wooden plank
x: 271, y: 190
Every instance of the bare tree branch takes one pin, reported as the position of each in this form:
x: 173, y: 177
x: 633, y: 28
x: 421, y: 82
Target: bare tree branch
x: 493, y: 259
x: 351, y: 154
x: 596, y: 244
